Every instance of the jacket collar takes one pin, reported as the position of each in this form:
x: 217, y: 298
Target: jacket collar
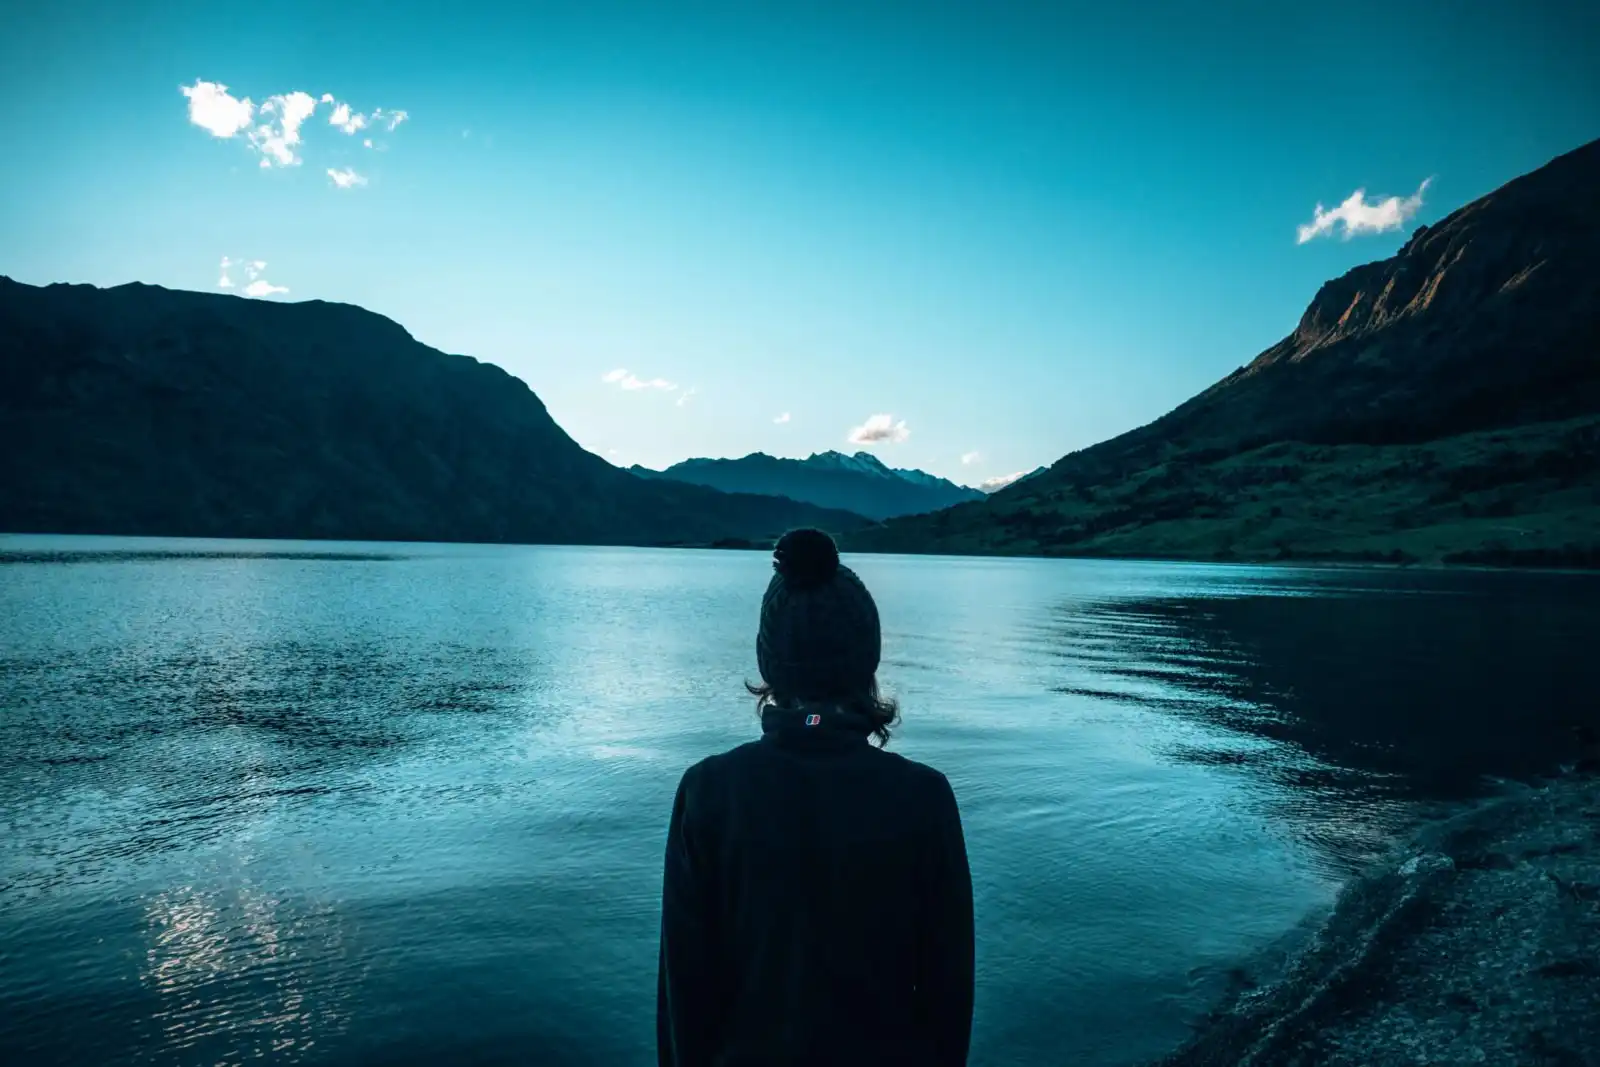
x: 814, y: 727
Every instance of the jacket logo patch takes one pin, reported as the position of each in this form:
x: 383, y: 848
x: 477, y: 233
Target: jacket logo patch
x: 813, y: 720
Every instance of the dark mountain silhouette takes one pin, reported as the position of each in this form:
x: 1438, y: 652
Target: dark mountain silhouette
x: 1440, y: 404
x: 860, y: 483
x: 142, y: 410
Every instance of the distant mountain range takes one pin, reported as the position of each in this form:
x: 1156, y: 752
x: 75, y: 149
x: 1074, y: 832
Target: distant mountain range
x: 141, y: 410
x: 860, y: 483
x: 1443, y: 404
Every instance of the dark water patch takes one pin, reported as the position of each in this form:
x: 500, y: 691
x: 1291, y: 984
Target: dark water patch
x: 1175, y: 703
x: 1358, y: 682
x: 1210, y: 757
x: 73, y: 760
x: 354, y: 697
x: 1368, y: 715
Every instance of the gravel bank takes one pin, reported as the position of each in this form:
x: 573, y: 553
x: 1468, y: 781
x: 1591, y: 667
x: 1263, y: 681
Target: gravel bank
x: 1478, y: 945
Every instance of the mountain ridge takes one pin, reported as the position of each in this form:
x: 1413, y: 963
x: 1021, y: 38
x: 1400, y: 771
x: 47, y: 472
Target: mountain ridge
x: 138, y: 409
x: 860, y: 483
x: 1399, y: 374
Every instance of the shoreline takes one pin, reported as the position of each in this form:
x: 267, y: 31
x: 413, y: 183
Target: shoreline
x: 1347, y: 561
x: 1477, y: 942
x: 765, y: 545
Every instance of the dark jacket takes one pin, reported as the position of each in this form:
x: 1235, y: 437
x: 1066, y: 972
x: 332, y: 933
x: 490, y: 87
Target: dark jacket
x: 816, y: 906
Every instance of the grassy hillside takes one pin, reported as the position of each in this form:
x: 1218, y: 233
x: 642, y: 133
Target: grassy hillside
x: 1529, y: 495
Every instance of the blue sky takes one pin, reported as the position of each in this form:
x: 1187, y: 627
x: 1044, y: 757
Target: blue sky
x: 1013, y: 230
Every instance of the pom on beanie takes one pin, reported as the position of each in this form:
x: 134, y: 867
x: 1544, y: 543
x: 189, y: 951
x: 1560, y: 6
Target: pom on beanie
x: 806, y: 558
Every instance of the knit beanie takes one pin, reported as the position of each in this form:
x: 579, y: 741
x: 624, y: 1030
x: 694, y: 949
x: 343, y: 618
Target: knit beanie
x: 819, y: 636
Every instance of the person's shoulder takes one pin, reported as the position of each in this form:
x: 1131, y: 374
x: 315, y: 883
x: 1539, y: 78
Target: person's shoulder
x: 924, y: 776
x: 717, y: 764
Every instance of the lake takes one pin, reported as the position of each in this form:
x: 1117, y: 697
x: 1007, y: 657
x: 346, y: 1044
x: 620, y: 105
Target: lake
x: 372, y: 803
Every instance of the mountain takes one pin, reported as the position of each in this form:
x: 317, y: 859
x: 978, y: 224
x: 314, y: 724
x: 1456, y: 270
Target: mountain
x: 860, y: 483
x: 1442, y: 404
x: 142, y: 410
x: 996, y: 485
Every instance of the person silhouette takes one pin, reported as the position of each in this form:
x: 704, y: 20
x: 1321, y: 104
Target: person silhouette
x: 816, y: 901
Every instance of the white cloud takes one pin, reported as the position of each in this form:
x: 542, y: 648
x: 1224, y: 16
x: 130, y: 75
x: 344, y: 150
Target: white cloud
x: 628, y: 380
x: 345, y: 119
x: 781, y: 419
x: 213, y: 110
x: 262, y: 287
x: 274, y: 128
x: 989, y: 485
x: 253, y: 270
x: 276, y: 138
x: 1359, y: 216
x: 969, y: 458
x: 879, y: 428
x: 346, y: 178
x: 683, y: 397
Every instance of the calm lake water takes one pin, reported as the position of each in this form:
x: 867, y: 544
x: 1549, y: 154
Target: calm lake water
x: 337, y: 803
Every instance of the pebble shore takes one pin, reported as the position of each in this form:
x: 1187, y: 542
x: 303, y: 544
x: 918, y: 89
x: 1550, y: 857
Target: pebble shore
x: 1478, y: 944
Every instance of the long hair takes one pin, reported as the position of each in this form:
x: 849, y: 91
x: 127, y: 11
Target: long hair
x: 883, y: 712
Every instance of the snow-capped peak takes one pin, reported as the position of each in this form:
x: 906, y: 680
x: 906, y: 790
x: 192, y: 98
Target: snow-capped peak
x: 861, y: 463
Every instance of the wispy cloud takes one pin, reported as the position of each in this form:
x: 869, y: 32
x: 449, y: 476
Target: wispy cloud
x: 346, y: 178
x: 683, y: 397
x: 277, y: 138
x: 253, y: 273
x: 212, y: 109
x: 969, y: 458
x: 781, y: 419
x: 1360, y: 216
x: 989, y: 485
x: 879, y: 428
x: 628, y: 380
x: 274, y: 128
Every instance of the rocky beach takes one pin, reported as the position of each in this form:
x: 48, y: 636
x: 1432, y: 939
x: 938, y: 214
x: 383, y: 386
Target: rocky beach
x: 1479, y: 943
